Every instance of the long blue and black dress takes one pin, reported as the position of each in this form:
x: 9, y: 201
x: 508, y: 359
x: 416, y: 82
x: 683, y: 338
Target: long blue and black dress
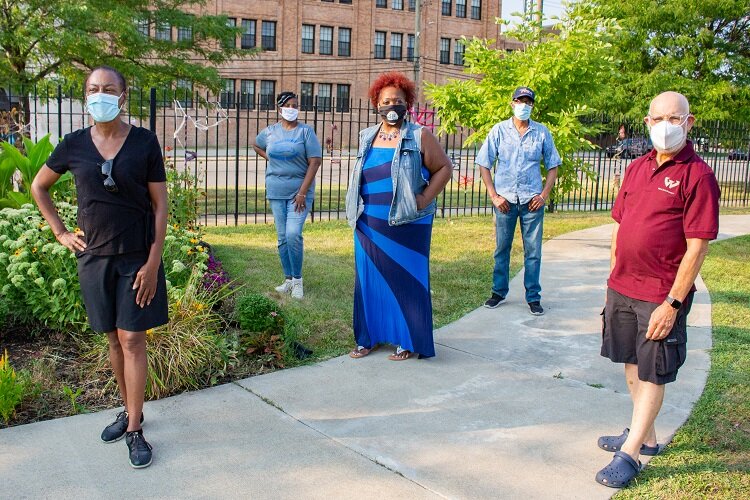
x: 392, y: 302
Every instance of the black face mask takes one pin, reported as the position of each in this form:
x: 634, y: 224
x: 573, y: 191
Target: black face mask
x: 393, y: 114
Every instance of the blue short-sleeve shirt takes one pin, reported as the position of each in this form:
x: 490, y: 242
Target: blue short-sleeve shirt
x: 288, y: 152
x: 517, y: 177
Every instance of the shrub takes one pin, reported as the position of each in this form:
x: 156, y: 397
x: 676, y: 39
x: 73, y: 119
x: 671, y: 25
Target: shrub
x: 183, y: 354
x: 183, y: 196
x: 39, y: 275
x: 258, y: 313
x: 11, y: 389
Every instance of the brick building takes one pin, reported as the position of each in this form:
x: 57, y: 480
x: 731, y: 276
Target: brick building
x: 330, y: 50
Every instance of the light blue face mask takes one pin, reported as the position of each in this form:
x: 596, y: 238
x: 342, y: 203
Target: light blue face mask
x: 103, y: 107
x: 522, y: 111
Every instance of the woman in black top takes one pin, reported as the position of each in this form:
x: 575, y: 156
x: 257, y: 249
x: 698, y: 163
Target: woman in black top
x: 122, y: 215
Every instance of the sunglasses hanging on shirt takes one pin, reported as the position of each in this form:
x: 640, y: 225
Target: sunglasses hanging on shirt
x: 109, y: 182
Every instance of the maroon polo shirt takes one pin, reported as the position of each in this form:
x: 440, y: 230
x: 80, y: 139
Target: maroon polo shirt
x: 658, y: 208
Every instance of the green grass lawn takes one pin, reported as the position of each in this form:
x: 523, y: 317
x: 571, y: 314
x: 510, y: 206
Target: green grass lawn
x: 710, y: 455
x: 461, y: 270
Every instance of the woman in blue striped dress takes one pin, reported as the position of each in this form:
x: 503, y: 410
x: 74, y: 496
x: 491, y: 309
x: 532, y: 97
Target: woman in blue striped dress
x: 400, y: 170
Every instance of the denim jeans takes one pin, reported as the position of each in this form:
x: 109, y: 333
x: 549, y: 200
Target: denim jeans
x: 289, y: 232
x: 531, y: 232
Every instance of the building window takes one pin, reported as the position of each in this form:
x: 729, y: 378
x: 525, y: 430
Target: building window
x: 267, y: 96
x: 184, y: 34
x: 227, y: 94
x: 381, y: 4
x: 324, y: 96
x: 409, y: 48
x: 268, y: 35
x: 345, y: 42
x: 476, y: 9
x: 247, y: 94
x: 445, y: 51
x: 460, y: 8
x: 396, y: 42
x: 184, y: 91
x: 412, y: 5
x: 446, y: 9
x: 308, y: 38
x: 248, y: 34
x: 142, y: 26
x: 458, y: 53
x: 342, y: 98
x: 397, y: 5
x: 306, y: 97
x: 164, y: 32
x: 326, y: 40
x: 346, y: 1
x: 380, y: 45
x: 232, y: 43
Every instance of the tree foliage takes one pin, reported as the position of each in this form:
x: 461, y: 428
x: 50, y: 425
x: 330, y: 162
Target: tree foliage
x: 567, y: 68
x: 42, y: 39
x: 700, y: 48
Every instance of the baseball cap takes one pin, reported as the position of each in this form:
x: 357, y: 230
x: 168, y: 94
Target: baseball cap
x: 524, y: 92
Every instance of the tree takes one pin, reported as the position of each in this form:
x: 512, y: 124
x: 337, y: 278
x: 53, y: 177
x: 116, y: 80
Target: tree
x: 62, y: 39
x: 700, y: 48
x: 568, y: 67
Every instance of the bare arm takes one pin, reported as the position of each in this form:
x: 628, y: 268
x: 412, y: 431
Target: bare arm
x: 44, y: 180
x: 261, y: 152
x: 313, y: 164
x: 146, y: 278
x: 540, y: 200
x: 439, y: 165
x: 613, y: 247
x: 497, y: 200
x: 662, y: 319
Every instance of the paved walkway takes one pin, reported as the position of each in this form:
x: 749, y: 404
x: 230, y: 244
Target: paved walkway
x: 511, y: 407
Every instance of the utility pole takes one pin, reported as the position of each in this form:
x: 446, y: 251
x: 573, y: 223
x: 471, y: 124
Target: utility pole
x: 539, y: 9
x: 417, y: 36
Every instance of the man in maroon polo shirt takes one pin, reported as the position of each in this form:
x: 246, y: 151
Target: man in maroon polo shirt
x: 666, y: 213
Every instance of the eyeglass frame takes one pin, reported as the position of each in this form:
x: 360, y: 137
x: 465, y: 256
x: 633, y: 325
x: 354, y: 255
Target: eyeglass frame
x: 108, y: 164
x: 519, y: 101
x: 683, y: 118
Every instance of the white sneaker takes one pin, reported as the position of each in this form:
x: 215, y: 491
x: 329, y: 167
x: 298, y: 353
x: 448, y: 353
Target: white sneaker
x: 297, y: 290
x: 285, y: 287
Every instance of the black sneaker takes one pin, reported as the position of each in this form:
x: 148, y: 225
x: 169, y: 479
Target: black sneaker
x: 494, y: 301
x: 138, y: 449
x: 116, y: 430
x: 536, y: 308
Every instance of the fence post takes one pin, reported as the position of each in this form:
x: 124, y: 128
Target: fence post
x: 59, y: 110
x: 237, y: 161
x: 152, y: 110
x: 598, y: 176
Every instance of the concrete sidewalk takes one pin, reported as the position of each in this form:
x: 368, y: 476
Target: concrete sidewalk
x: 511, y: 407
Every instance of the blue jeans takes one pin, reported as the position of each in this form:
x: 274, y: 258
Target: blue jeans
x: 531, y: 232
x: 289, y: 232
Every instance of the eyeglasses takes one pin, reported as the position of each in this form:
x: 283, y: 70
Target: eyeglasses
x: 526, y: 101
x: 673, y: 119
x: 109, y: 182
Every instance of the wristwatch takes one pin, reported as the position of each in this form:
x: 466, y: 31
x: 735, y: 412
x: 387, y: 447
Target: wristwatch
x: 676, y: 304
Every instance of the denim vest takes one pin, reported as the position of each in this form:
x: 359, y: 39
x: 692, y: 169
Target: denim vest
x: 406, y: 175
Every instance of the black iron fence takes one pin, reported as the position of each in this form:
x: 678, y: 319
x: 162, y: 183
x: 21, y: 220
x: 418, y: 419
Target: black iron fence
x: 212, y: 137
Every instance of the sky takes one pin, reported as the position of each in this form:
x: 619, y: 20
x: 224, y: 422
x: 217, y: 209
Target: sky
x: 550, y: 8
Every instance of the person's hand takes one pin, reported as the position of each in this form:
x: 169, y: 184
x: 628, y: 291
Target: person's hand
x: 73, y: 241
x: 661, y: 322
x: 501, y: 203
x: 299, y: 203
x: 145, y: 282
x: 537, y: 202
x: 422, y: 201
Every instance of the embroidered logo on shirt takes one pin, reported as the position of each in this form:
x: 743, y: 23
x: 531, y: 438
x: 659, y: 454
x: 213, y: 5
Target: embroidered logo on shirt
x: 670, y: 183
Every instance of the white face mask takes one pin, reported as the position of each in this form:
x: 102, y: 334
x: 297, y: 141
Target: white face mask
x: 289, y: 114
x: 522, y: 111
x: 668, y: 138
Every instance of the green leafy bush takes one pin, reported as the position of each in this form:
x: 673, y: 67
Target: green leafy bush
x: 183, y: 196
x: 183, y: 354
x: 39, y: 275
x: 258, y: 313
x: 11, y: 389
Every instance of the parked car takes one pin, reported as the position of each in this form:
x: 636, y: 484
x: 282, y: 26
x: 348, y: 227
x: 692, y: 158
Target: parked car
x: 632, y: 147
x: 738, y: 154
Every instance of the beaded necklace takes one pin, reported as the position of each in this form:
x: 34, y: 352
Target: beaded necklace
x: 388, y: 136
